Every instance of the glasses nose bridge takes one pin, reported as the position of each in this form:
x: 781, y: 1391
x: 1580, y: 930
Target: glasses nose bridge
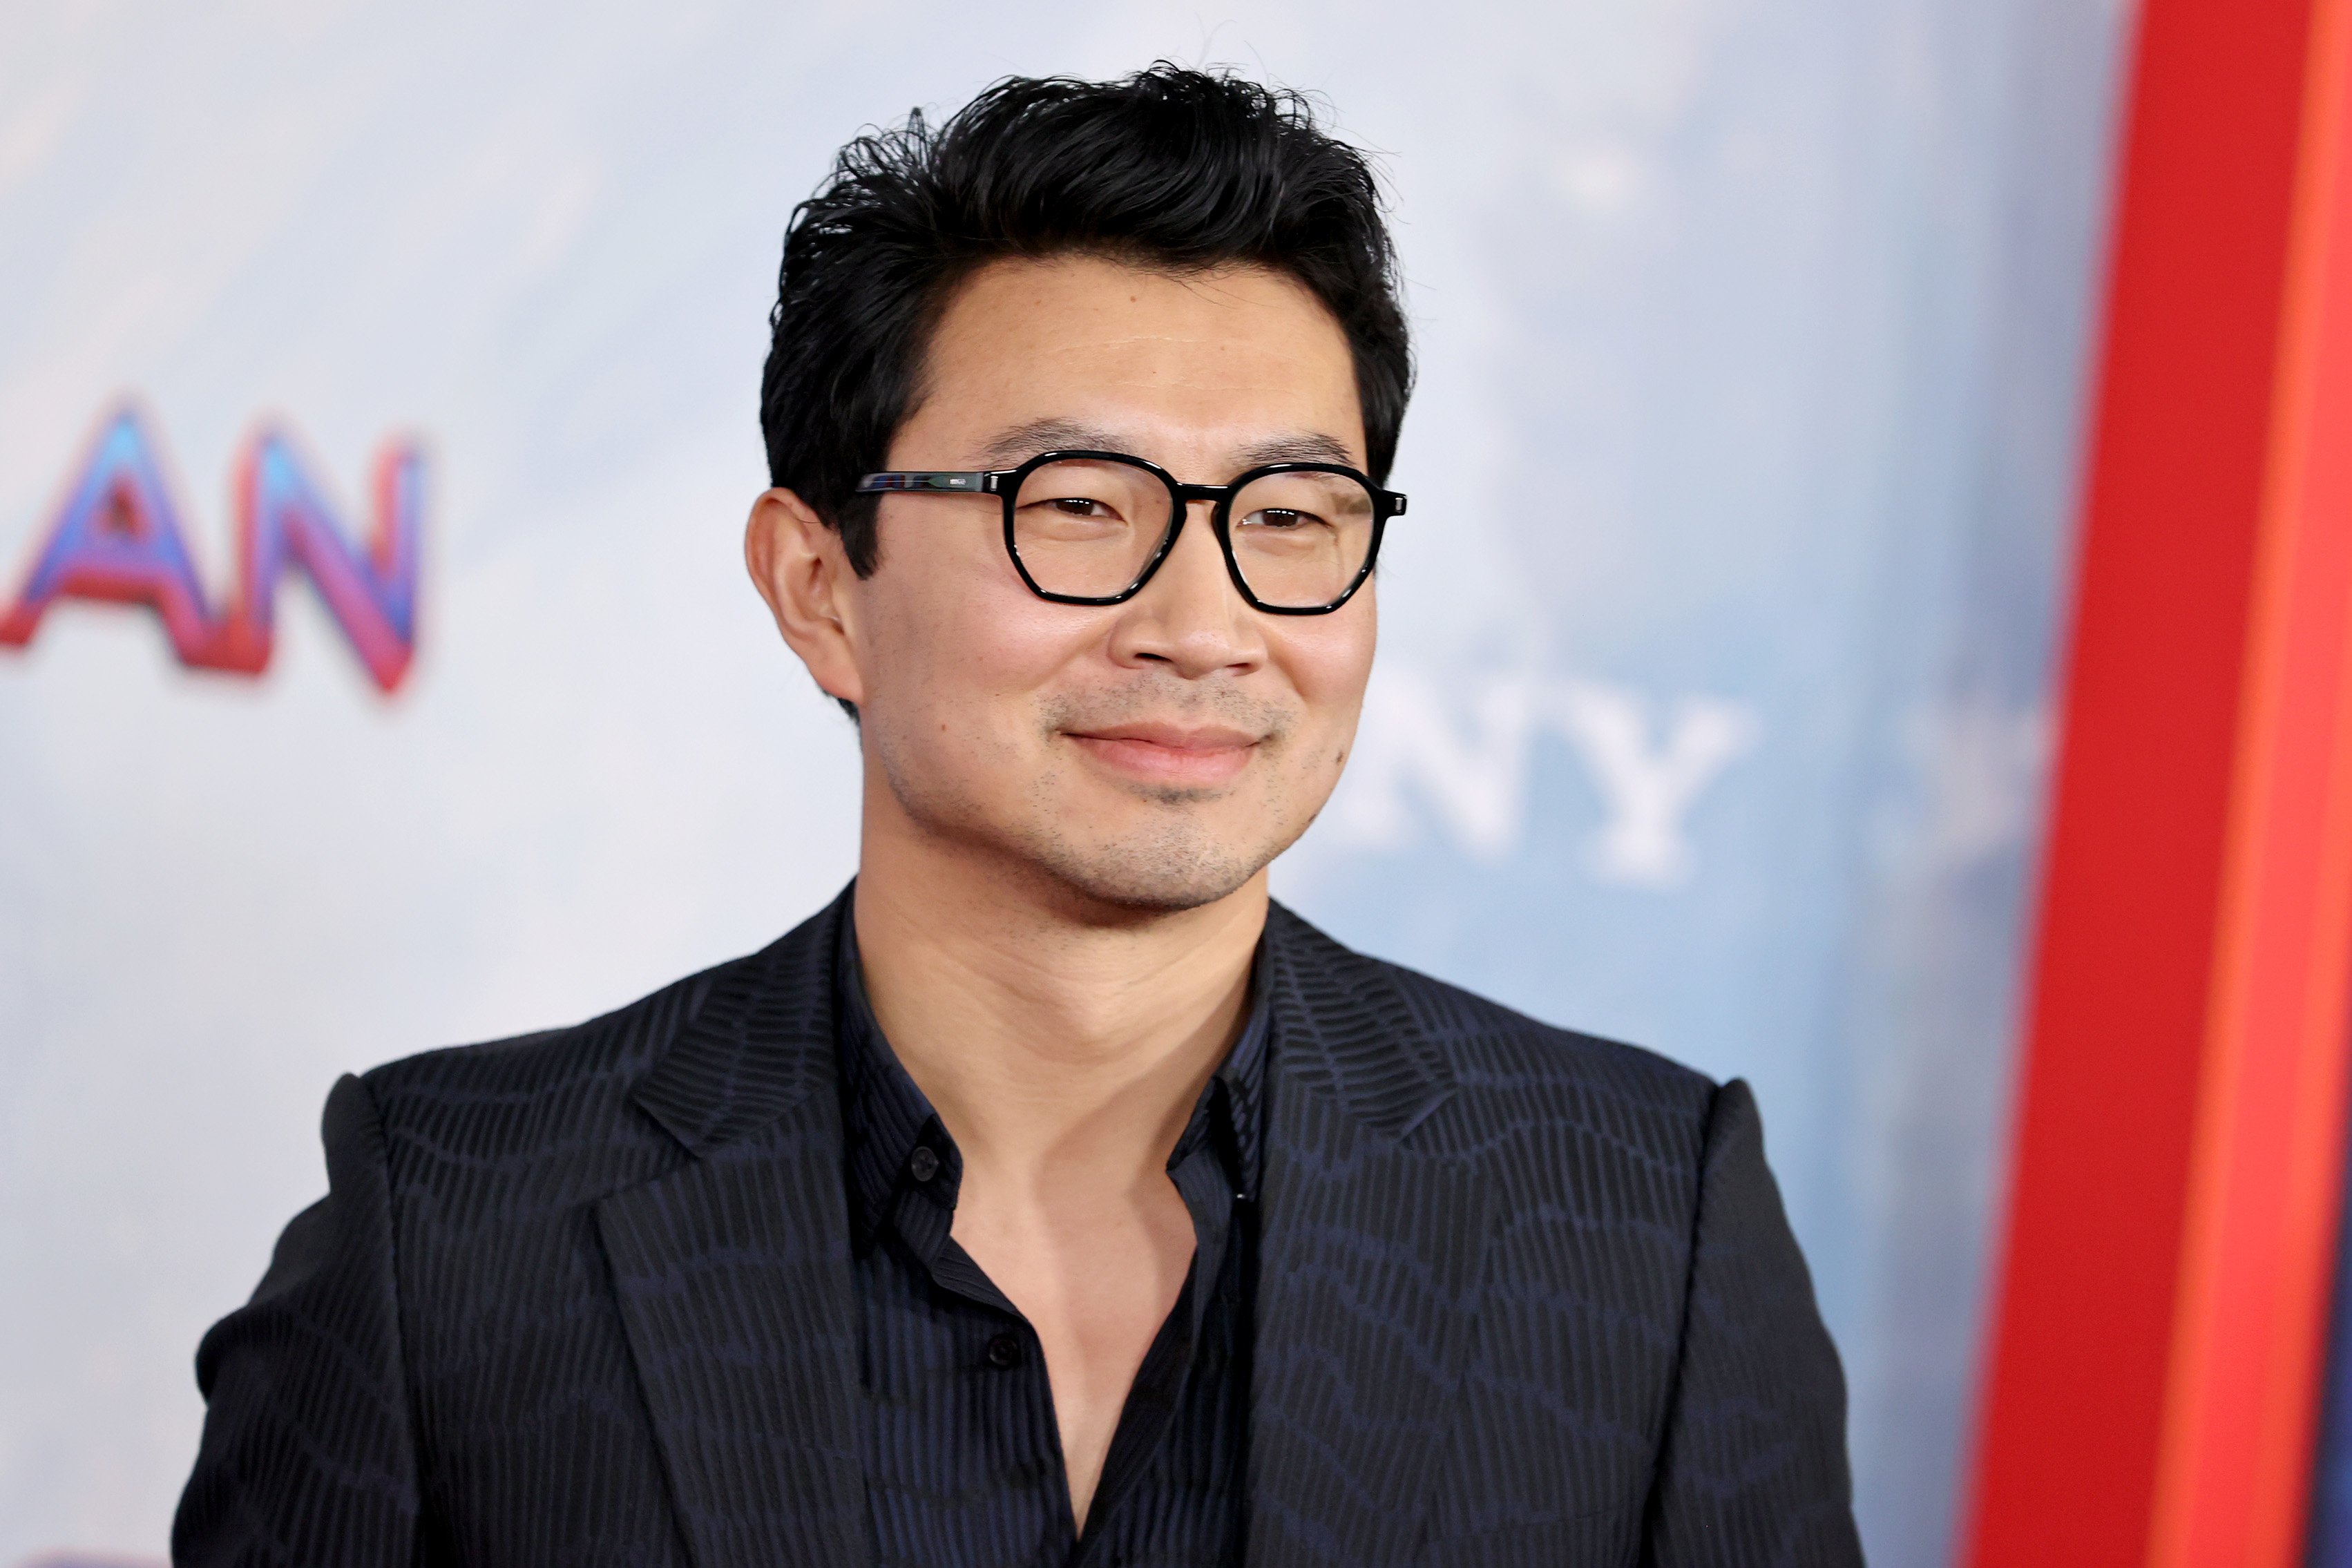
x: 1191, y: 495
x: 1187, y: 498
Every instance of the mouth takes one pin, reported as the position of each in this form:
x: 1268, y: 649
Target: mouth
x: 1170, y: 754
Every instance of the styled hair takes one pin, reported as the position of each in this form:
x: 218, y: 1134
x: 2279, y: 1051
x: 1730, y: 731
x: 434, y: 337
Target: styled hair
x: 1173, y: 169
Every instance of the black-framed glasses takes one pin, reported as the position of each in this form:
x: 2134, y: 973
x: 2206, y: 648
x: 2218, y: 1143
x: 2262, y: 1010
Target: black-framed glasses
x: 1090, y: 527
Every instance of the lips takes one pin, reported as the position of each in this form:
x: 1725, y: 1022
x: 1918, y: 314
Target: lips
x: 1170, y: 753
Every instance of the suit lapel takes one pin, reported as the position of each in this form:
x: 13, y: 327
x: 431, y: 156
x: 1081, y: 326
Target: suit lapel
x: 1369, y: 1265
x: 733, y: 1271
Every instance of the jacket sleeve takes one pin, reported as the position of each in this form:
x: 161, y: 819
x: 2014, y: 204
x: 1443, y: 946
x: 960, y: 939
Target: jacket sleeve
x: 308, y: 1458
x: 1753, y: 1471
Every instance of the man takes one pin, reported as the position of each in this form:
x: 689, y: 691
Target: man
x: 1052, y: 1198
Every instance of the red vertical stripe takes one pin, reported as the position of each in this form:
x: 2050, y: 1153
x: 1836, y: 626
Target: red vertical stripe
x: 2123, y: 966
x: 2267, y: 1173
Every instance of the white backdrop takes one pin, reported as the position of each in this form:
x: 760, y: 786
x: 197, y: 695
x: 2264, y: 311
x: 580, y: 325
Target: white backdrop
x: 1710, y: 712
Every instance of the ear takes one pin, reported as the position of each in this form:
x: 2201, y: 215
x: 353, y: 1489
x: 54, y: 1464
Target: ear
x: 801, y: 569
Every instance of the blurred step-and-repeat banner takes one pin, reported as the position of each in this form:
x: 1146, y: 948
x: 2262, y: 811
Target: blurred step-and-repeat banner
x: 1727, y: 737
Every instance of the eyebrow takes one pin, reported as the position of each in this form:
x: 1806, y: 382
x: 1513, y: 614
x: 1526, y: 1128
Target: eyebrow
x: 1011, y: 447
x: 1024, y: 442
x: 1302, y: 447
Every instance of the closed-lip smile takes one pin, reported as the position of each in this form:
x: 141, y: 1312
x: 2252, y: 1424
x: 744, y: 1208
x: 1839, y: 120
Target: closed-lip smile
x: 1182, y: 754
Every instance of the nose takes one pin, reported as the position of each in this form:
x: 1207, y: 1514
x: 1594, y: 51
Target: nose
x: 1189, y: 618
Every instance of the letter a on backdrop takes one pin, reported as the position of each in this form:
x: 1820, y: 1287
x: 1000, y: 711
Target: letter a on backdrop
x: 117, y: 537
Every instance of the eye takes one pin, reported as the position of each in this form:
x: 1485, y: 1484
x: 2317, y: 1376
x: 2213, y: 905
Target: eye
x: 1080, y: 506
x: 1281, y: 517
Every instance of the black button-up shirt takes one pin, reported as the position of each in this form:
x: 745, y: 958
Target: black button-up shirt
x: 962, y: 1453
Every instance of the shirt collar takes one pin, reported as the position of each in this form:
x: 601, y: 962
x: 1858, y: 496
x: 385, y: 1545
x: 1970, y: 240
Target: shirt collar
x: 886, y: 1118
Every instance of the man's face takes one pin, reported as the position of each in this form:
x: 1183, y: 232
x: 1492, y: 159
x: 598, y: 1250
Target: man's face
x: 1152, y: 755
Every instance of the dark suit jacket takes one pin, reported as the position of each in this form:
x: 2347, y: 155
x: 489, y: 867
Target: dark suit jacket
x: 583, y: 1297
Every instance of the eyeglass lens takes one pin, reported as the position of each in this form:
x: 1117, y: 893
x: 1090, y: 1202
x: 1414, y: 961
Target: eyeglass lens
x: 1087, y: 527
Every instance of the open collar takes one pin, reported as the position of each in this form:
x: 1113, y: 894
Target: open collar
x: 886, y: 1115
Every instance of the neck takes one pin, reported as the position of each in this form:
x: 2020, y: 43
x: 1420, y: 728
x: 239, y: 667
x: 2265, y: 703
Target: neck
x: 1056, y: 1036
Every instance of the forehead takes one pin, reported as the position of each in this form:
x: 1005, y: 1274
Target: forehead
x: 1191, y: 363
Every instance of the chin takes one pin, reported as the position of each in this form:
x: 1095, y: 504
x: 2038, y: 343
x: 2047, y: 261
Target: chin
x: 1175, y: 868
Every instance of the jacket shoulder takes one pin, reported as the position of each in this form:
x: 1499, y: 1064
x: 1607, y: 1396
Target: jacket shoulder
x: 566, y: 1058
x: 553, y: 1100
x: 1491, y: 1050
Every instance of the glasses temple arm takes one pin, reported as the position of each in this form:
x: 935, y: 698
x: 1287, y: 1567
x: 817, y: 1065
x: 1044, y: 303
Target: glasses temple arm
x: 963, y: 482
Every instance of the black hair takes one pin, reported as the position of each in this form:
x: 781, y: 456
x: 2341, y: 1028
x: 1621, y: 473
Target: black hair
x: 1169, y: 168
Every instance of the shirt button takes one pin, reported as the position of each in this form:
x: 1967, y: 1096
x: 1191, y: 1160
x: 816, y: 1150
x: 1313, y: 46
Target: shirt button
x: 1004, y: 1351
x: 922, y: 1164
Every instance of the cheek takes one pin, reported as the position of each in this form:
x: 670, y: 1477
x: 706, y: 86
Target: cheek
x: 1329, y: 662
x: 960, y: 646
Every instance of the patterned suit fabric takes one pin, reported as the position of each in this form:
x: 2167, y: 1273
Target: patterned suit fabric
x: 1524, y: 1297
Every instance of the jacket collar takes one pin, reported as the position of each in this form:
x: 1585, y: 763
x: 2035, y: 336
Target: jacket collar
x: 1349, y: 1033
x: 760, y: 1043
x: 763, y: 1039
